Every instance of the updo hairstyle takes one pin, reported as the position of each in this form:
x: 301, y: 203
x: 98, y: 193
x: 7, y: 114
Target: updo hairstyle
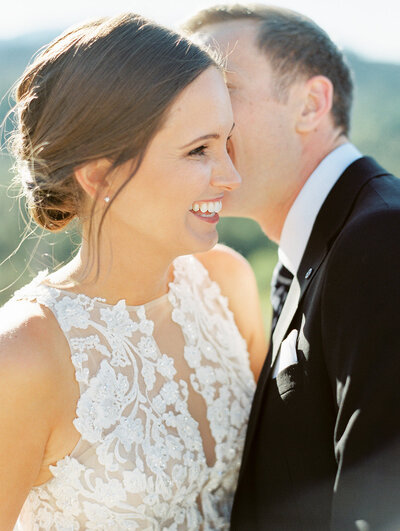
x: 99, y: 90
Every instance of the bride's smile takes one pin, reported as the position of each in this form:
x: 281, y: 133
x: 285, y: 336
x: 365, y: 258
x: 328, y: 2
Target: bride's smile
x: 153, y: 208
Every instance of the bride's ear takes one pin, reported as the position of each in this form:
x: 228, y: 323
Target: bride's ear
x: 317, y: 103
x: 93, y: 178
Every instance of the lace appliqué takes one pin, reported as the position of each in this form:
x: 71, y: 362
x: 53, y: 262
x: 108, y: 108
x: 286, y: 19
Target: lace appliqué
x: 140, y: 462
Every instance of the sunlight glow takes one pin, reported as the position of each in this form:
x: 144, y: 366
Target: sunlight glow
x: 365, y: 26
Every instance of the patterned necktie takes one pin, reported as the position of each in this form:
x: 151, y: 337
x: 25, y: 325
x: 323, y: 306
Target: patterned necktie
x: 280, y: 284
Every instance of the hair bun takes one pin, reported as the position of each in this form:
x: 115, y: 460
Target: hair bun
x: 51, y: 202
x: 51, y: 219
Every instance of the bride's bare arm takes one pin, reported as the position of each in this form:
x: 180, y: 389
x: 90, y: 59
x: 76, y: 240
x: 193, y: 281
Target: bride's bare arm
x: 237, y: 282
x: 29, y: 403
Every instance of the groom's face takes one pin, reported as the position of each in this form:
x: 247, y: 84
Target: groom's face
x: 264, y: 146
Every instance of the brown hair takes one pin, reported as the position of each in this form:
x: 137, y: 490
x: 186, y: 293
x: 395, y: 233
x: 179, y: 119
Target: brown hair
x: 295, y: 46
x: 102, y: 89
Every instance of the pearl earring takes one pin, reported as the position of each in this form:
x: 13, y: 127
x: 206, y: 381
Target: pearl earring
x: 106, y: 199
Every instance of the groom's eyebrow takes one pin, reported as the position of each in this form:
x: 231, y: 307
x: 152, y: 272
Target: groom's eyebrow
x: 205, y: 137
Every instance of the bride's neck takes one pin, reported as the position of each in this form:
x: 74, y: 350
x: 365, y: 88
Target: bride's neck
x: 133, y: 275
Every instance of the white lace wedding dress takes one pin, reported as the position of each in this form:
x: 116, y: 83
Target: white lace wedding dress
x: 165, y: 393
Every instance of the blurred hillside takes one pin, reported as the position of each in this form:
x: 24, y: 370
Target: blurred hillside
x: 376, y: 132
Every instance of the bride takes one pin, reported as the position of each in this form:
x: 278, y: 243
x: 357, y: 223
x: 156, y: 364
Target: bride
x: 125, y: 379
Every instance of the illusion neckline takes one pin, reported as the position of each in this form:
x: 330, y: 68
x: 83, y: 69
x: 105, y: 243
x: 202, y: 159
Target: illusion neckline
x: 103, y: 302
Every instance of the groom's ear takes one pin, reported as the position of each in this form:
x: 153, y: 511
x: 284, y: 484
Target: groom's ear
x: 316, y: 103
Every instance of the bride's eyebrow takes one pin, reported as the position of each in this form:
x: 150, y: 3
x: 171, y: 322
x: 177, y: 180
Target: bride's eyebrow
x: 206, y: 137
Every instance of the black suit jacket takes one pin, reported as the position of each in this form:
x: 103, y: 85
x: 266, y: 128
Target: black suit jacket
x: 323, y: 442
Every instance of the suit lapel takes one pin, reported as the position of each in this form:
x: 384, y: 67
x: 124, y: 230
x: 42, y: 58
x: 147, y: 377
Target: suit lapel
x: 328, y: 224
x: 330, y: 220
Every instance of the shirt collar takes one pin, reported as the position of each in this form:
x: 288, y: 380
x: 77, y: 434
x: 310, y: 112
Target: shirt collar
x: 304, y: 211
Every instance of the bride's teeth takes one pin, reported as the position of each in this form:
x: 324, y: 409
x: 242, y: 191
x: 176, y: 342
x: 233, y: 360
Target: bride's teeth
x: 211, y: 207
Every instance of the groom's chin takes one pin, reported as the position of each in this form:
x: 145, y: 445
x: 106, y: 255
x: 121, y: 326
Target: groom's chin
x: 238, y: 214
x: 234, y: 208
x: 232, y: 214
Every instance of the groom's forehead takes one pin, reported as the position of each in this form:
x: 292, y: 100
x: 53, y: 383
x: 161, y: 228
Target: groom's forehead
x: 236, y: 43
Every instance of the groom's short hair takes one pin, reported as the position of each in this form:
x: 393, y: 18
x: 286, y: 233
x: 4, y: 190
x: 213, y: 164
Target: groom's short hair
x: 294, y: 45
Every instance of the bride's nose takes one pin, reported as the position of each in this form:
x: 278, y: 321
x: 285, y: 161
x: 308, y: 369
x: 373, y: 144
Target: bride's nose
x: 226, y: 176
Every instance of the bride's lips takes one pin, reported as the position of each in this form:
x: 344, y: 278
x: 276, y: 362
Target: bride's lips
x: 210, y: 219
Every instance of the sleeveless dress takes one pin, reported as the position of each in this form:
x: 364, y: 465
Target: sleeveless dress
x: 165, y: 394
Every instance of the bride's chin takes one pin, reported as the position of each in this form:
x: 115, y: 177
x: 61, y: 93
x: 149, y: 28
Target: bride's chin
x: 203, y: 243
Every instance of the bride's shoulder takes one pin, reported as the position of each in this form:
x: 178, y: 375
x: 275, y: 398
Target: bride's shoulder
x: 228, y: 268
x: 30, y: 397
x: 30, y: 339
x: 236, y: 279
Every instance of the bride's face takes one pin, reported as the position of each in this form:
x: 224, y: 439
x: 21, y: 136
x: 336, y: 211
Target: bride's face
x: 186, y: 170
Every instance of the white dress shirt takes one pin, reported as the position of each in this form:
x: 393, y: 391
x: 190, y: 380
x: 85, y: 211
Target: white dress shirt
x: 304, y: 211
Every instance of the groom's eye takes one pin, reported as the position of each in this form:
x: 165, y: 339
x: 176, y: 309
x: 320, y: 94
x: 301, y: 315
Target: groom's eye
x: 198, y: 151
x: 228, y: 143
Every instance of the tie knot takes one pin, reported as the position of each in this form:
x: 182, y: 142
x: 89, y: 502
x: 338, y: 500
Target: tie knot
x: 280, y: 284
x: 281, y: 277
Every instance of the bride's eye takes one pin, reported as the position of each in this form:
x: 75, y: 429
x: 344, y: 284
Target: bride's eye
x: 198, y: 151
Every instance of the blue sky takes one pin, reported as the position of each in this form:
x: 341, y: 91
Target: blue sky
x: 368, y: 27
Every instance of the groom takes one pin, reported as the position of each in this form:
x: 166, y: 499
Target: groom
x: 323, y: 442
